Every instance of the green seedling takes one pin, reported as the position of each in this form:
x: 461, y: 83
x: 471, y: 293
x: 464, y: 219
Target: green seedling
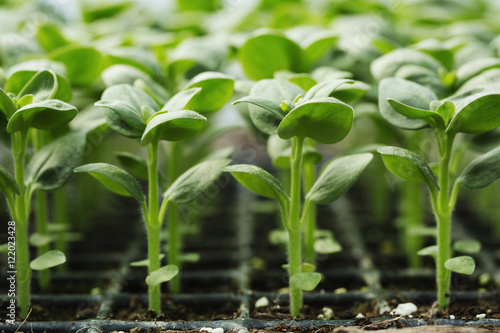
x: 132, y: 113
x: 28, y: 109
x: 411, y: 106
x: 315, y: 117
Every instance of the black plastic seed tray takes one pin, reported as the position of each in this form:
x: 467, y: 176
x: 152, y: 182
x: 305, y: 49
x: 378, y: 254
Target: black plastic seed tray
x: 220, y: 290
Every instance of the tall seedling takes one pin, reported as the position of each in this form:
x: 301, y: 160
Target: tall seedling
x: 131, y: 112
x: 323, y: 119
x: 410, y: 106
x: 28, y: 106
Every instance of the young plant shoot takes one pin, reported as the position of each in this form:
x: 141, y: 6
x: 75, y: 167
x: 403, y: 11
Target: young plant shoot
x: 131, y: 112
x: 320, y: 118
x: 411, y: 106
x: 29, y: 107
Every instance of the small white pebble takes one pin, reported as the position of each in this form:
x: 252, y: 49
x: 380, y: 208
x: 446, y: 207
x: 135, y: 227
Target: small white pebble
x: 262, y: 302
x: 212, y: 330
x: 341, y: 290
x: 481, y: 316
x: 404, y: 309
x: 327, y: 312
x: 410, y: 316
x: 321, y: 316
x: 360, y: 315
x: 452, y: 317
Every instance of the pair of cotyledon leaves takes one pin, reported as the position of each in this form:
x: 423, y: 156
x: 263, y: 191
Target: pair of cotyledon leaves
x: 411, y: 106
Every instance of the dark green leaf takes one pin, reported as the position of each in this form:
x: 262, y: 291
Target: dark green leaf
x: 305, y: 281
x: 407, y: 165
x: 265, y: 104
x: 135, y: 164
x: 172, y: 126
x: 7, y: 182
x: 263, y: 55
x: 52, y: 166
x: 7, y: 106
x: 164, y: 274
x: 337, y: 177
x: 461, y: 265
x: 257, y: 180
x: 483, y: 171
x: 115, y: 179
x: 405, y: 92
x: 195, y: 181
x: 43, y: 115
x: 477, y: 113
x: 217, y: 89
x: 48, y: 260
x: 326, y: 120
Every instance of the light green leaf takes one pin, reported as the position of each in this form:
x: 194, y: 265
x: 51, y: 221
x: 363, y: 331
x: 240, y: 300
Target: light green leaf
x: 7, y: 182
x: 467, y: 246
x: 48, y: 260
x: 7, y: 106
x: 305, y: 281
x: 144, y: 262
x: 477, y: 113
x: 461, y: 265
x: 429, y: 251
x: 181, y: 99
x: 217, y: 89
x: 43, y: 115
x: 164, y: 274
x: 326, y: 120
x: 326, y: 245
x: 483, y: 171
x: 326, y: 89
x: 195, y: 181
x: 257, y: 180
x: 433, y: 119
x: 135, y: 164
x: 407, y: 165
x: 52, y: 166
x: 137, y: 57
x: 172, y: 126
x: 337, y: 177
x: 83, y: 63
x: 43, y: 85
x: 189, y: 257
x: 264, y: 104
x: 115, y: 179
x: 407, y: 93
x: 36, y: 239
x: 266, y: 53
x: 49, y: 36
x: 474, y: 68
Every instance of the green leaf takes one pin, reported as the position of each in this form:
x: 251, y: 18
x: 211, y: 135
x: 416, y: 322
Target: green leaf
x: 483, y: 171
x: 43, y: 85
x: 52, y: 166
x: 195, y: 181
x: 474, y: 68
x: 36, y: 239
x: 304, y: 81
x: 305, y: 281
x: 431, y: 251
x: 217, y: 89
x: 407, y: 93
x: 172, y: 126
x: 124, y: 105
x: 326, y: 245
x: 467, y: 246
x: 326, y: 89
x: 135, y: 164
x: 337, y: 177
x: 477, y: 113
x: 180, y: 100
x: 164, y: 274
x: 275, y: 91
x: 326, y: 120
x: 461, y: 265
x: 263, y: 55
x: 144, y: 262
x: 48, y: 260
x: 137, y: 57
x: 7, y: 182
x: 265, y: 104
x: 122, y: 74
x: 407, y: 165
x: 49, y: 36
x: 447, y: 110
x: 433, y: 119
x: 115, y: 179
x: 43, y: 115
x: 189, y: 257
x: 83, y: 63
x: 388, y: 64
x: 257, y: 180
x: 7, y: 106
